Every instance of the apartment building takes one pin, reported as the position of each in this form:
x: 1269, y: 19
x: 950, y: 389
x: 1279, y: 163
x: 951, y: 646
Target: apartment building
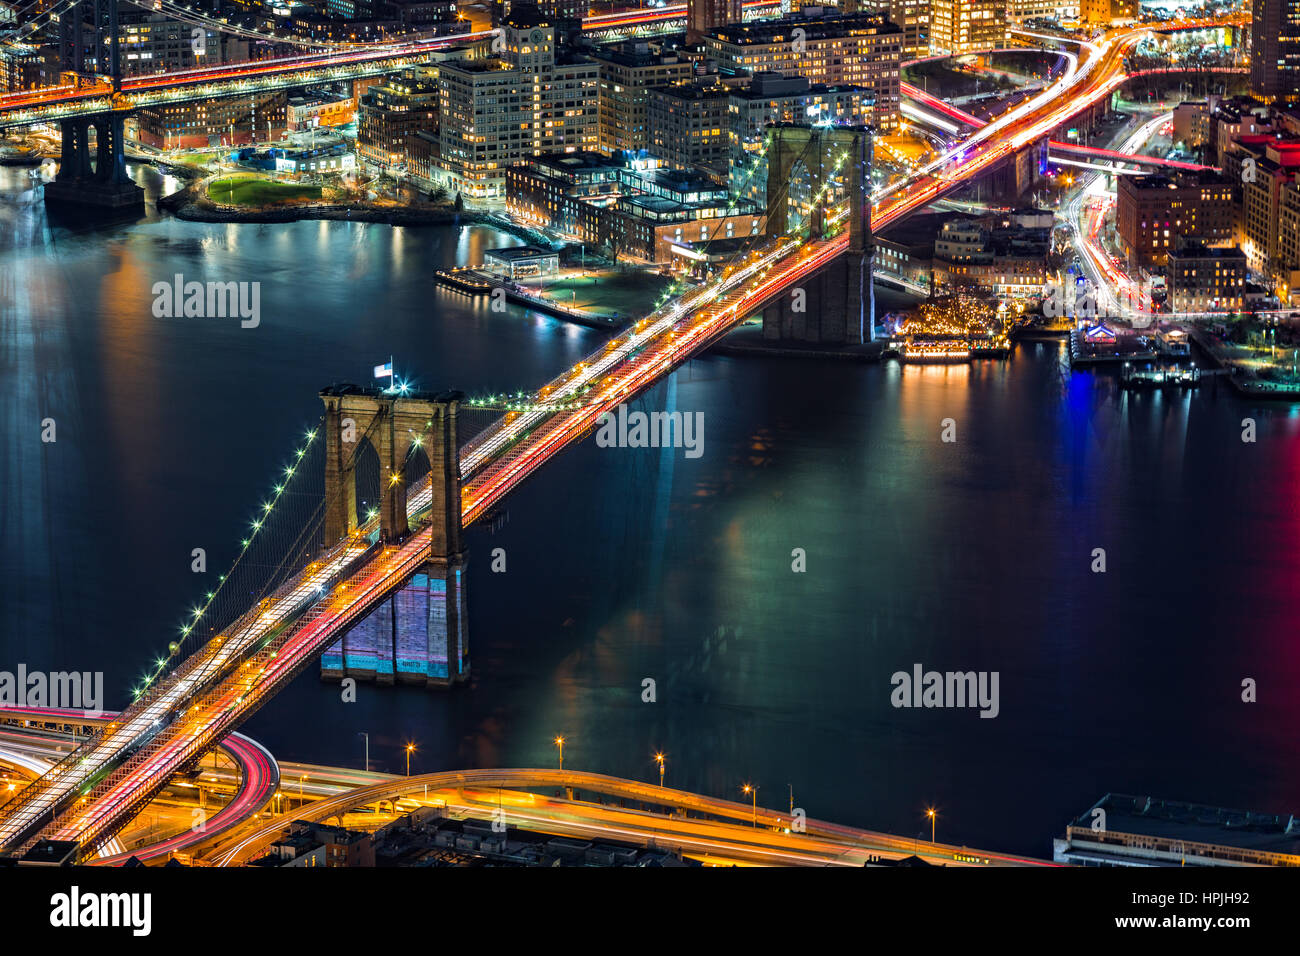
x: 392, y: 112
x: 1153, y: 213
x: 531, y: 99
x: 960, y: 26
x: 704, y: 16
x: 1202, y: 279
x: 858, y: 49
x: 628, y: 72
x: 689, y: 127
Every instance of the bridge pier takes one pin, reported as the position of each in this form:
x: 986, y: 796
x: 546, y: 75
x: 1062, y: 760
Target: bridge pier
x: 1014, y: 177
x: 105, y: 185
x: 420, y: 635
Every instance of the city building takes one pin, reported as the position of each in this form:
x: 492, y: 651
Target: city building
x: 1229, y: 121
x: 320, y: 844
x: 1201, y: 279
x: 314, y: 109
x: 996, y: 256
x: 913, y: 16
x: 628, y: 72
x: 859, y: 49
x: 391, y: 113
x: 631, y: 206
x: 1152, y: 213
x: 155, y: 43
x: 959, y: 26
x: 22, y: 70
x: 1018, y: 11
x: 689, y: 127
x: 1191, y: 124
x: 236, y: 121
x: 1275, y: 50
x: 534, y: 98
x: 422, y: 152
x: 1263, y: 166
x: 1105, y: 12
x: 1144, y: 831
x: 704, y: 16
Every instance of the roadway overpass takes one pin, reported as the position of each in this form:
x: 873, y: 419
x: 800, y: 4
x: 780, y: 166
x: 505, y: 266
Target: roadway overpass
x: 689, y: 823
x: 595, y: 806
x: 32, y: 737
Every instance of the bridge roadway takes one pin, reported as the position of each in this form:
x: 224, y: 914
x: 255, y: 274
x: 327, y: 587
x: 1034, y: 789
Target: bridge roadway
x: 1115, y: 156
x: 52, y: 104
x: 94, y: 791
x: 720, y: 830
x: 25, y: 741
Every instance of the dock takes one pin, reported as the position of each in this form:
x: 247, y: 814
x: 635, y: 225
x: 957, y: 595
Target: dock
x: 475, y: 282
x: 467, y: 281
x: 1165, y: 375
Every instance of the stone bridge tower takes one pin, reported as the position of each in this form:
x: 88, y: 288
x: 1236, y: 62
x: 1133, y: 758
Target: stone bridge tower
x: 421, y: 634
x: 834, y: 307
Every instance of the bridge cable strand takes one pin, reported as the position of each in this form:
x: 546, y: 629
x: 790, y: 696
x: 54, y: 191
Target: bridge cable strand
x: 165, y: 696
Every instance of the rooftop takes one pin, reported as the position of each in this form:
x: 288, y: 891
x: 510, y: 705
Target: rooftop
x: 813, y: 21
x: 1196, y: 823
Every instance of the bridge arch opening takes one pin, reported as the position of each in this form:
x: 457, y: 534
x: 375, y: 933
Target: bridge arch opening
x: 368, y: 480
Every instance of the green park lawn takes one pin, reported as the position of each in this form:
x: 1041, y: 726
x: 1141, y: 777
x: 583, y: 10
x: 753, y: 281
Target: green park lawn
x: 252, y: 191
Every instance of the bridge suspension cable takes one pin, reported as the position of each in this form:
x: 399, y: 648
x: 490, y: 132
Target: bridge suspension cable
x: 278, y: 594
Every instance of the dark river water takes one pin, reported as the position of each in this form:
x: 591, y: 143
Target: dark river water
x: 628, y: 564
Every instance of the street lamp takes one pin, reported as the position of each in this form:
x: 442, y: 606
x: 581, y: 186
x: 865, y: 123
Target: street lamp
x: 660, y: 758
x: 559, y: 742
x: 409, y: 748
x: 300, y: 780
x: 930, y: 813
x: 753, y: 792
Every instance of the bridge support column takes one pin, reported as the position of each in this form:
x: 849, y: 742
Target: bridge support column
x: 420, y: 635
x: 74, y: 153
x: 104, y: 187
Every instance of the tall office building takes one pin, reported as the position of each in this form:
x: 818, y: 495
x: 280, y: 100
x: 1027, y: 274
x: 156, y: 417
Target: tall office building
x: 960, y: 26
x: 705, y: 15
x: 1275, y: 50
x: 688, y: 126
